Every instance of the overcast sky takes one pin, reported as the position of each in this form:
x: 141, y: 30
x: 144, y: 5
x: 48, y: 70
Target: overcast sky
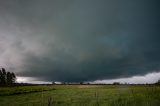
x: 80, y: 40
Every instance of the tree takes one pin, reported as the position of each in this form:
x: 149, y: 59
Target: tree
x: 116, y: 83
x: 3, y: 76
x: 13, y: 77
x: 6, y: 78
x: 158, y: 82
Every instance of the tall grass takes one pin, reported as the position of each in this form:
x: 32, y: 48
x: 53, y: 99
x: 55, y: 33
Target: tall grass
x: 82, y: 95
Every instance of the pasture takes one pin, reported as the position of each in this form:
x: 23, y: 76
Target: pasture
x: 80, y: 95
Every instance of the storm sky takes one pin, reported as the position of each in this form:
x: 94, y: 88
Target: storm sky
x: 80, y: 40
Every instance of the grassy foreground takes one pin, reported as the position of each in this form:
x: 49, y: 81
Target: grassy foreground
x: 80, y: 95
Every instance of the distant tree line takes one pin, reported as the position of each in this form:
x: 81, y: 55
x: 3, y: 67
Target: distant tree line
x: 158, y: 82
x: 6, y: 78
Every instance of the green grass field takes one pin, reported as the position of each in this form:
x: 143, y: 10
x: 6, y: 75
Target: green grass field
x: 80, y: 95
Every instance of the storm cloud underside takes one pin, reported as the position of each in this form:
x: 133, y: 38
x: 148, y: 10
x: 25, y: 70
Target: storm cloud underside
x: 80, y: 40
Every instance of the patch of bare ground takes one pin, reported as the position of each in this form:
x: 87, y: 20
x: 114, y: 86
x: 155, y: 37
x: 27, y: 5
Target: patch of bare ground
x: 87, y: 86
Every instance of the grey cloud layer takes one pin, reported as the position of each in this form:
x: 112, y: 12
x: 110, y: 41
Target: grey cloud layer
x: 80, y: 40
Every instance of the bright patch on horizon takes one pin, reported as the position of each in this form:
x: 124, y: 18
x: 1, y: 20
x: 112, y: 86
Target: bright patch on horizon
x: 31, y: 80
x: 146, y: 79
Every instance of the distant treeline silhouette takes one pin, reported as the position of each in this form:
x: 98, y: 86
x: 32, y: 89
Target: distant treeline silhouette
x: 6, y: 78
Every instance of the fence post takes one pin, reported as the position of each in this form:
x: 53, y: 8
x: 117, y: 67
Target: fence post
x: 49, y: 101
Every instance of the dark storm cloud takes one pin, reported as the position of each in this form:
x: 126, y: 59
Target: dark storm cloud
x: 72, y: 40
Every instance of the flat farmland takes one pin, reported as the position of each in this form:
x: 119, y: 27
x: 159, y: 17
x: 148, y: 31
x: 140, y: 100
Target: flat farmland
x: 80, y: 95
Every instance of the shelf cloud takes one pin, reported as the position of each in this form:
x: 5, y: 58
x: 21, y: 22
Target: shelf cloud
x: 80, y: 40
x: 150, y: 78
